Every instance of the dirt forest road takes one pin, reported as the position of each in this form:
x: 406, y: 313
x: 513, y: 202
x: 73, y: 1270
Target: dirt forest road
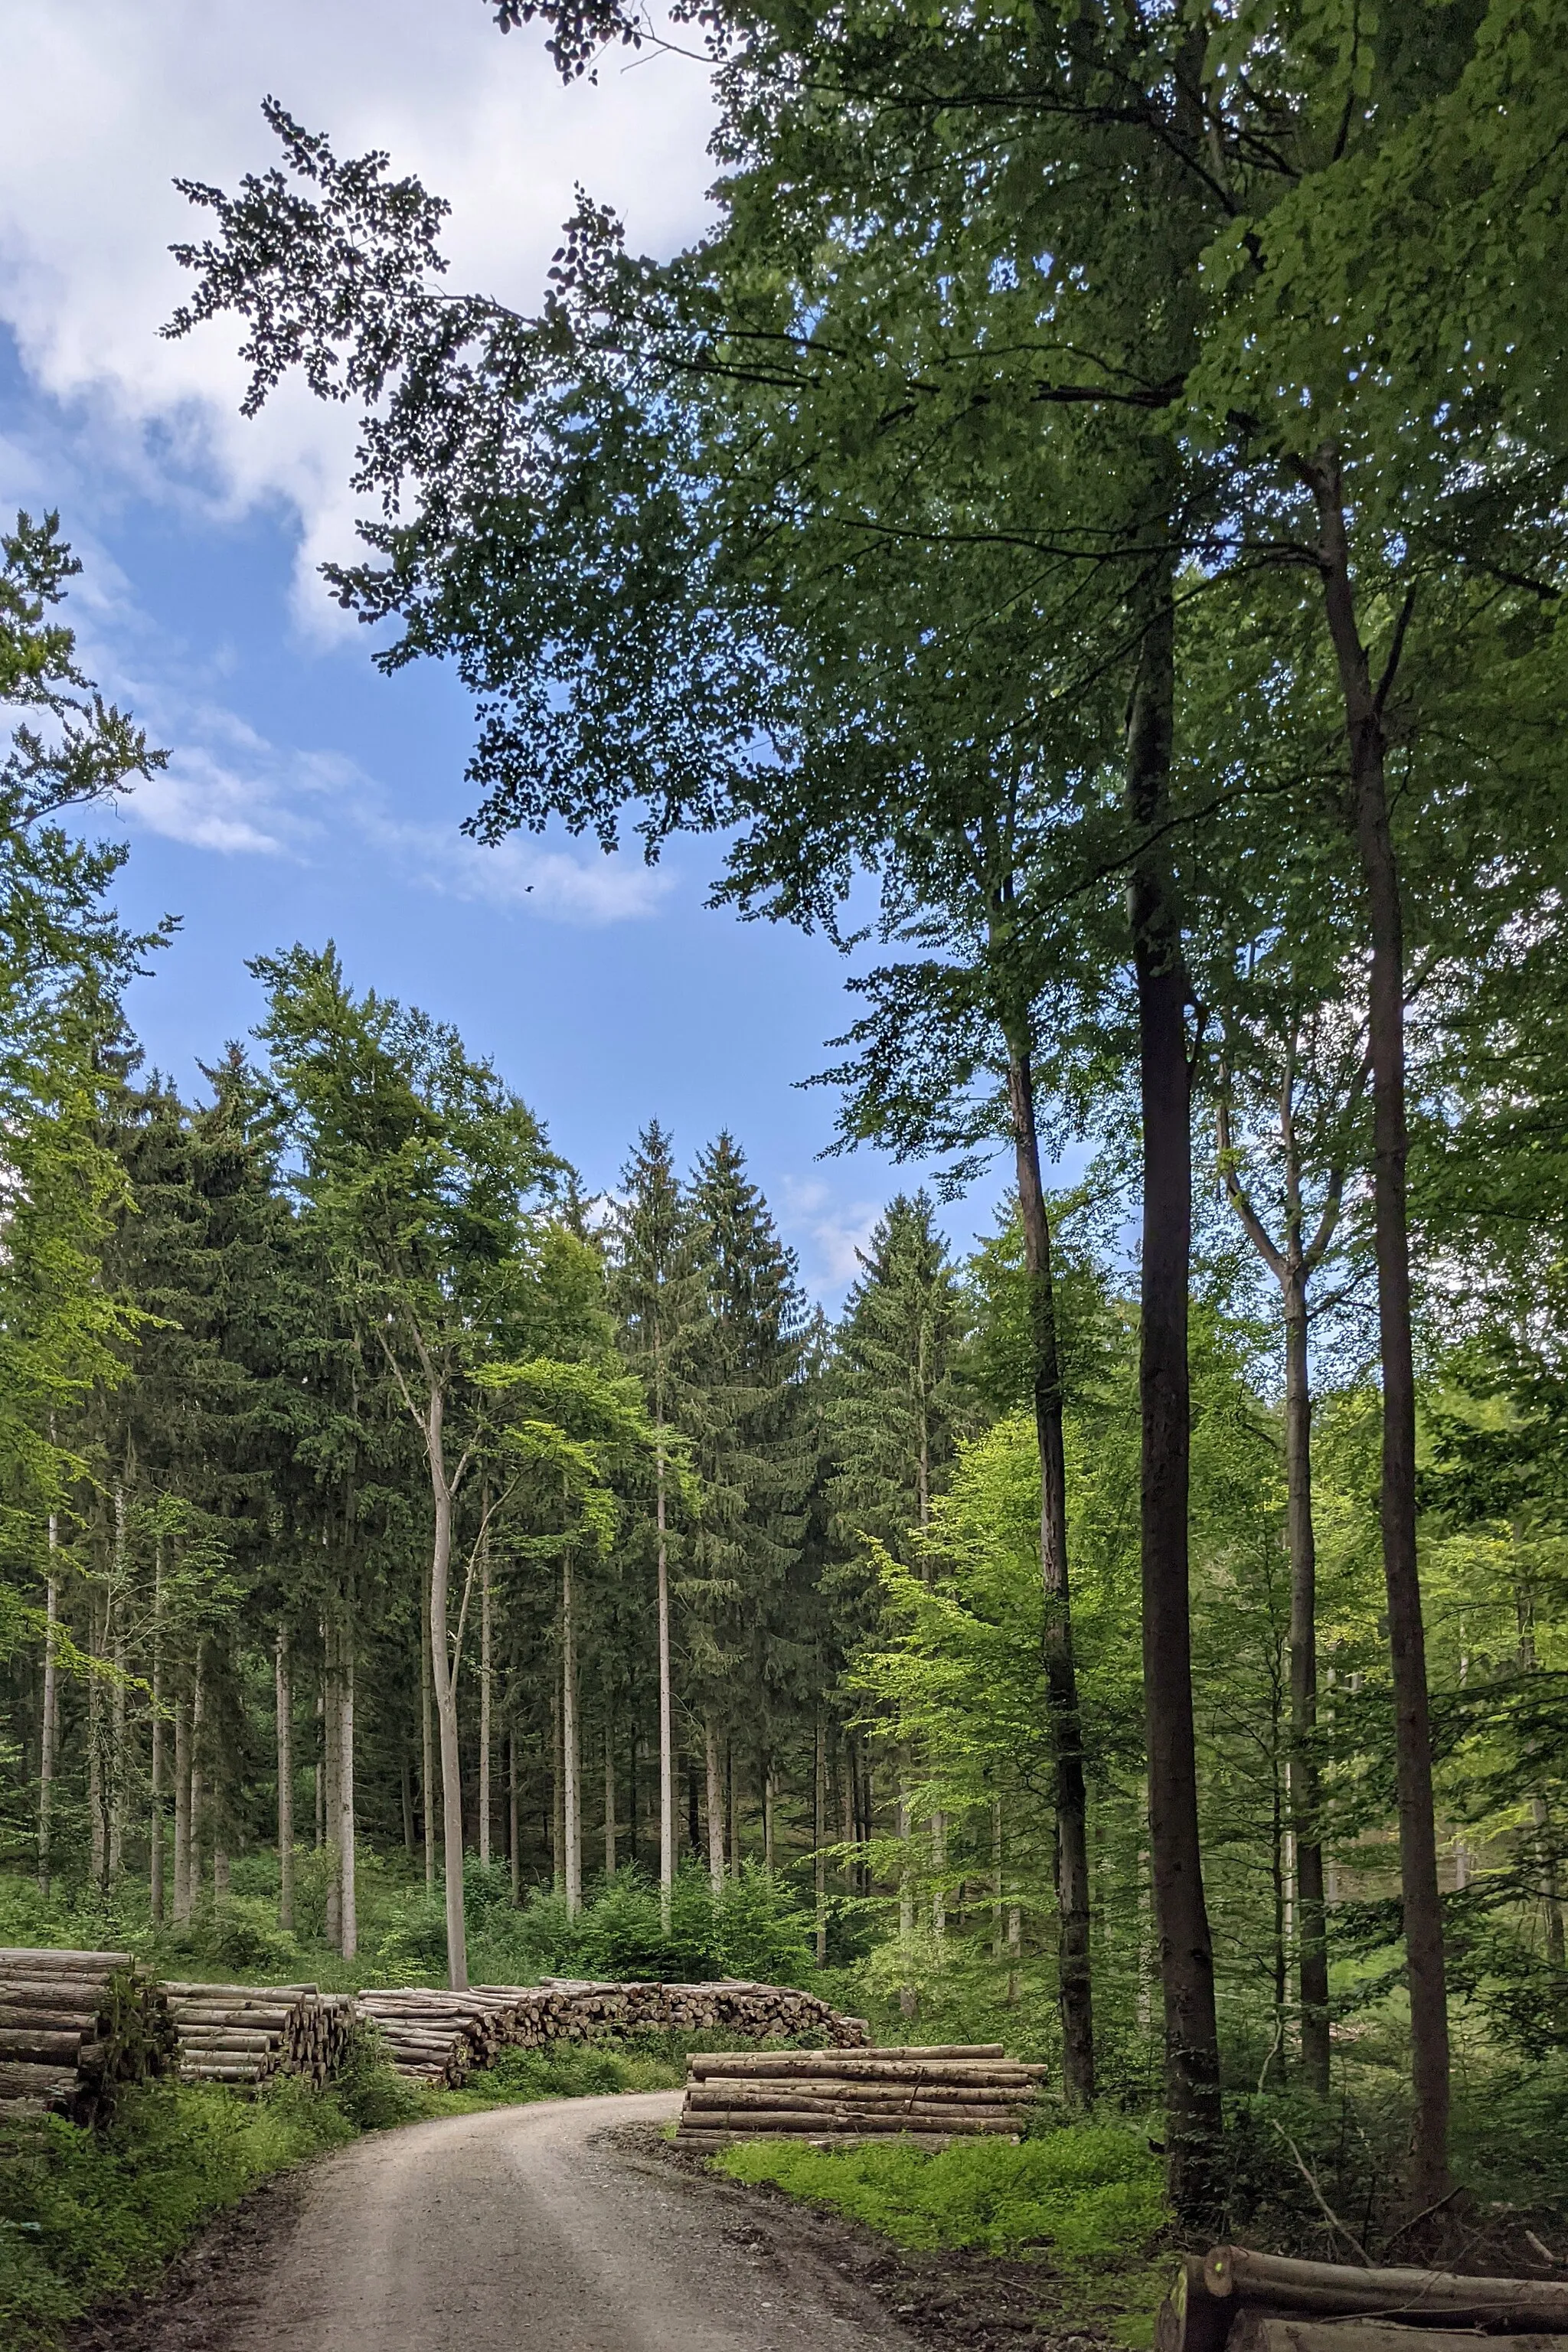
x: 533, y: 2228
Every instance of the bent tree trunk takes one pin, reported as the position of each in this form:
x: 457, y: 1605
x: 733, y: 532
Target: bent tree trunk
x: 1075, y: 1986
x: 444, y: 1683
x: 1406, y: 1634
x: 1181, y: 1917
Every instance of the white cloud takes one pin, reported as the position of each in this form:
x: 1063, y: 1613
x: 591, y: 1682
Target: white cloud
x: 230, y: 791
x: 832, y: 1232
x: 103, y: 104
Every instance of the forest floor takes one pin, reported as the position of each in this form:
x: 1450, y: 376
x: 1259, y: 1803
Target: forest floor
x: 571, y: 2224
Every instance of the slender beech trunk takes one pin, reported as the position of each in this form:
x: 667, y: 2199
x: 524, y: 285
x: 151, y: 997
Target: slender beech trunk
x: 118, y: 1773
x: 666, y: 1717
x: 609, y: 1799
x: 155, y: 1771
x: 97, y: 1827
x: 349, y: 1903
x: 1181, y: 1917
x: 713, y: 1766
x: 1302, y: 1775
x: 557, y: 1797
x: 998, y: 1909
x: 818, y: 1838
x: 571, y: 1761
x: 907, y: 1997
x: 768, y: 1816
x: 427, y: 1742
x: 733, y: 1794
x: 319, y: 1768
x: 514, y: 1851
x: 332, y: 1800
x: 182, y: 1811
x: 284, y: 1692
x: 196, y: 1813
x: 443, y: 1677
x: 406, y: 1790
x: 1424, y: 1964
x: 48, y: 1744
x: 486, y: 1684
x: 1072, y: 1856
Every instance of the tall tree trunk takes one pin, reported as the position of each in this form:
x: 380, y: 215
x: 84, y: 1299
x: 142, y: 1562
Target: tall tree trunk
x: 486, y: 1680
x: 97, y: 1823
x: 714, y: 1770
x: 118, y: 1773
x: 443, y: 1677
x: 1311, y: 1915
x: 48, y: 1743
x: 514, y: 1850
x: 1425, y: 1964
x: 155, y: 1769
x: 405, y: 1792
x: 196, y: 1815
x: 1181, y: 1918
x: 906, y: 1998
x: 348, y: 1899
x: 427, y: 1742
x: 666, y: 1715
x: 284, y: 1701
x: 818, y: 1838
x: 732, y: 1793
x: 571, y: 1761
x: 768, y: 1815
x: 182, y: 1811
x: 1071, y: 1854
x: 609, y: 1799
x: 332, y: 1798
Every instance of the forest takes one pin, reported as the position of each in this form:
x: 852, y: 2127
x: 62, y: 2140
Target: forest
x: 1084, y: 531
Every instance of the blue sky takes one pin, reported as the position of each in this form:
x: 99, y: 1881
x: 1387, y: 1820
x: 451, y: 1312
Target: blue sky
x: 307, y: 796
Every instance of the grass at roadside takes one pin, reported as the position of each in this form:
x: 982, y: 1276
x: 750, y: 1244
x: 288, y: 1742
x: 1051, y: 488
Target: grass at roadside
x: 1085, y: 2197
x: 86, y: 2216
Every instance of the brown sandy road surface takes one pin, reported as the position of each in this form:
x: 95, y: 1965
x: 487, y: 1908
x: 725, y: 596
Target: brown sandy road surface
x: 532, y: 2229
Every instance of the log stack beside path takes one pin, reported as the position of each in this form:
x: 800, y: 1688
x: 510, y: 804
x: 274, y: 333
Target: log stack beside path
x: 245, y: 2034
x: 1234, y: 2300
x: 841, y: 2098
x: 439, y: 2038
x: 75, y: 2027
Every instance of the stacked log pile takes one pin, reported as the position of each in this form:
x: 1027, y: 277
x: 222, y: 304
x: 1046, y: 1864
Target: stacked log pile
x: 244, y: 2035
x: 838, y: 2099
x: 75, y: 2027
x: 576, y: 2010
x: 440, y: 2037
x: 1236, y: 2301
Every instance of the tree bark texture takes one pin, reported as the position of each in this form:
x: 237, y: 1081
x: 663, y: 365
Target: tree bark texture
x: 666, y: 1718
x: 1425, y: 1964
x: 426, y: 1744
x: 155, y: 1764
x: 48, y: 1743
x: 443, y: 1680
x: 714, y: 1772
x: 285, y: 1706
x: 1181, y: 1917
x: 571, y: 1785
x: 1076, y: 1989
x: 182, y: 1811
x: 609, y: 1801
x: 347, y: 1898
x: 486, y: 1683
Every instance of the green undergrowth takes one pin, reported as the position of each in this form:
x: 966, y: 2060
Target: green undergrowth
x: 1086, y: 2198
x: 85, y: 2216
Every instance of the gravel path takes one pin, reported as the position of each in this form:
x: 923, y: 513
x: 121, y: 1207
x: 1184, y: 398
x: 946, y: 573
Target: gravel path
x: 529, y: 2229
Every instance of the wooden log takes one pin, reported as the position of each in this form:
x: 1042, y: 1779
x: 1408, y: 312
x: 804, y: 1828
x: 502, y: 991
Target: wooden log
x: 1334, y: 2289
x: 1264, y: 2331
x: 1192, y: 2319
